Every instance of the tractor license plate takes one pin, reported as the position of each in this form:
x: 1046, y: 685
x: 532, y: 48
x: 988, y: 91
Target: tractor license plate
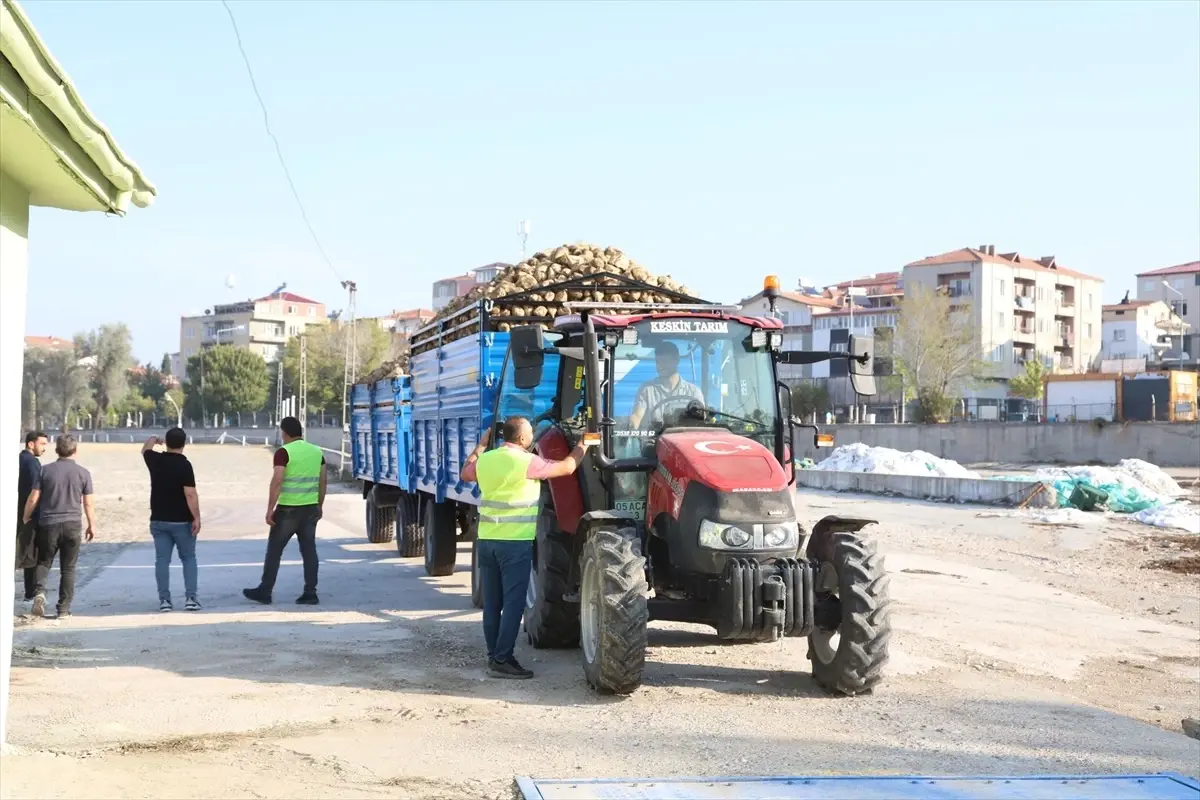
x: 635, y: 507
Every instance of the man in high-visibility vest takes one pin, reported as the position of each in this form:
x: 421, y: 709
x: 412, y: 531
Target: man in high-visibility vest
x: 510, y: 480
x: 294, y: 504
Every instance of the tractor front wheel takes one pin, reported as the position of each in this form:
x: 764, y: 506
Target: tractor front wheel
x: 550, y: 620
x: 849, y: 646
x: 613, y: 610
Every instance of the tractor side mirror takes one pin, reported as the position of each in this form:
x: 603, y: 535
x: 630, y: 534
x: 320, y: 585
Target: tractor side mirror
x: 525, y: 348
x: 862, y: 365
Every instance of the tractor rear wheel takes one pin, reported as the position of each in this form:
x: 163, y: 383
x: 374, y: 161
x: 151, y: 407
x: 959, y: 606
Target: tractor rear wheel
x: 410, y: 539
x: 613, y: 610
x: 852, y: 594
x: 441, y: 538
x: 550, y: 621
x: 381, y: 517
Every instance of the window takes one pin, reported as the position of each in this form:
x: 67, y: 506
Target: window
x: 291, y: 309
x: 1088, y: 330
x: 1118, y: 335
x: 1179, y: 283
x: 1002, y: 287
x: 1041, y: 326
x: 1089, y: 304
x: 1197, y: 277
x: 999, y: 319
x: 312, y: 312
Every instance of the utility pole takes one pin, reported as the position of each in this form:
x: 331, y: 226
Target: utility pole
x: 351, y: 371
x: 278, y: 390
x: 523, y: 233
x: 304, y: 380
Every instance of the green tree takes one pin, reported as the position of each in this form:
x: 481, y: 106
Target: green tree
x: 152, y: 384
x: 165, y: 367
x: 111, y: 347
x: 936, y: 351
x: 132, y: 404
x: 233, y: 380
x: 1029, y: 384
x: 66, y: 385
x: 36, y: 395
x: 809, y: 399
x: 326, y: 348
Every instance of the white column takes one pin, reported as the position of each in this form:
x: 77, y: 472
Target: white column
x: 14, y: 258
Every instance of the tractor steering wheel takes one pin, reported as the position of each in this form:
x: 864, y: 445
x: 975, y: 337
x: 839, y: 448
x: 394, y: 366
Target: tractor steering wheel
x: 649, y: 415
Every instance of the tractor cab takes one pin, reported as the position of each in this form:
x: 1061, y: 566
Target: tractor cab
x: 684, y: 510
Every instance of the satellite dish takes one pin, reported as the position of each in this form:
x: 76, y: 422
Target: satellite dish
x: 230, y: 281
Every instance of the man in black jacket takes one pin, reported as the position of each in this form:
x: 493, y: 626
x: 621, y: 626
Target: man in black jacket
x: 29, y: 477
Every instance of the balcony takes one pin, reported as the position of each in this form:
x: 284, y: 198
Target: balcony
x: 1064, y: 307
x: 1064, y: 364
x: 1064, y: 340
x: 1024, y: 333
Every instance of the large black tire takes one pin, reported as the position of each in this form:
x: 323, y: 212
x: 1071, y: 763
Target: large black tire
x: 381, y: 518
x: 613, y: 610
x: 410, y: 543
x: 441, y: 539
x: 865, y: 627
x: 476, y: 578
x: 550, y: 621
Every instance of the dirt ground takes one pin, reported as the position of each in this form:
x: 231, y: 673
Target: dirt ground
x: 1018, y: 648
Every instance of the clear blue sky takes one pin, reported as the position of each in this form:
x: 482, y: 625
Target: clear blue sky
x: 716, y: 142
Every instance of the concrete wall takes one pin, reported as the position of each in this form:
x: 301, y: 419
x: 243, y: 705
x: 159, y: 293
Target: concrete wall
x: 14, y: 253
x: 1165, y: 444
x: 921, y: 487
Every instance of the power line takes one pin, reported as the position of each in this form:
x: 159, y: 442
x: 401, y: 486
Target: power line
x: 278, y: 150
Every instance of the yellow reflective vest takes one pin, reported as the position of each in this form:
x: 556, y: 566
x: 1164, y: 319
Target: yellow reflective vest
x: 302, y: 475
x: 509, y: 508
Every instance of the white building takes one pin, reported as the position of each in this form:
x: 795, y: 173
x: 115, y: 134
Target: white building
x: 1178, y: 287
x: 1140, y: 329
x: 1023, y: 308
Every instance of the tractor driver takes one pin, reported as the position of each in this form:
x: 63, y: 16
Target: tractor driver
x: 666, y: 391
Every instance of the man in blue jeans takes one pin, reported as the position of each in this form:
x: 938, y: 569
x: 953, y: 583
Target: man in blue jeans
x: 510, y: 480
x: 174, y: 515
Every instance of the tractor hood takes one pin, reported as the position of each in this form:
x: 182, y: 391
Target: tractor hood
x: 722, y: 460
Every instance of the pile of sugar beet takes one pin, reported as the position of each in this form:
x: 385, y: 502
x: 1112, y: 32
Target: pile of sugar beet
x: 567, y: 263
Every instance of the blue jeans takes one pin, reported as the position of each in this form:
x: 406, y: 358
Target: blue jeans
x: 504, y: 568
x: 178, y: 536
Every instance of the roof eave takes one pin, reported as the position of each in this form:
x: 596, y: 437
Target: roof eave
x: 49, y: 83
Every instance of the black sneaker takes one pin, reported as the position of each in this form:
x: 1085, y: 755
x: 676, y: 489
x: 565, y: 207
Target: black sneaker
x: 307, y: 599
x: 508, y: 669
x: 257, y: 595
x: 192, y: 604
x: 165, y: 605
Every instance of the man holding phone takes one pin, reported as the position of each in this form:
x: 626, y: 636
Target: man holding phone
x: 510, y: 480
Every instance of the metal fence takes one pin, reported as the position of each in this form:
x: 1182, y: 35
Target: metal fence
x: 156, y: 421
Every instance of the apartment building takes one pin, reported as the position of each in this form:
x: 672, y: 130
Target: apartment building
x: 1024, y: 308
x: 1143, y: 330
x: 1179, y: 288
x: 262, y: 326
x: 447, y: 289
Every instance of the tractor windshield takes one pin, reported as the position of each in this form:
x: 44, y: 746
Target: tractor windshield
x: 681, y: 372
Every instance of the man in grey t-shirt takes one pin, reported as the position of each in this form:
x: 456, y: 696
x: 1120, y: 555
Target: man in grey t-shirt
x: 666, y: 393
x: 58, y: 493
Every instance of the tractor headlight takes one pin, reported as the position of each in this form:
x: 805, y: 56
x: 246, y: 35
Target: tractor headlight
x: 780, y: 536
x: 723, y: 537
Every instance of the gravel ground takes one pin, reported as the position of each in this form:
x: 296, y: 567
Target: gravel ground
x: 1019, y: 648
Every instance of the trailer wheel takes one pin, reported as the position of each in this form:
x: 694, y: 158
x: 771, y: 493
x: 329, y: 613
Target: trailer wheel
x: 550, y: 621
x: 613, y: 610
x: 381, y: 519
x: 410, y: 542
x: 441, y: 538
x: 852, y: 594
x: 476, y: 578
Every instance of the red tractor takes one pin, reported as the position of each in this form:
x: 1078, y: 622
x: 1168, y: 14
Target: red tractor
x: 686, y: 509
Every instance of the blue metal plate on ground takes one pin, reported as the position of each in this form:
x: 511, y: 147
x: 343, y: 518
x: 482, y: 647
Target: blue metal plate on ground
x: 891, y: 787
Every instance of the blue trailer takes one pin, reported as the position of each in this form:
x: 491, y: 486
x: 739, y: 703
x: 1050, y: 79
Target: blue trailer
x: 412, y: 434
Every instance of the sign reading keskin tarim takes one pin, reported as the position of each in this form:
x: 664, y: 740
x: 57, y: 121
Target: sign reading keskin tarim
x: 689, y: 326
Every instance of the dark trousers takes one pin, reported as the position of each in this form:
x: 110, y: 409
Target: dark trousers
x: 504, y: 568
x: 27, y: 555
x: 301, y: 522
x: 62, y: 539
